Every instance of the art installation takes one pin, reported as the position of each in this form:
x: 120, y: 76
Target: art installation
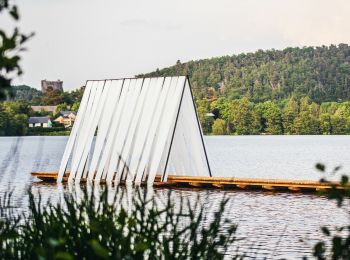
x: 134, y: 129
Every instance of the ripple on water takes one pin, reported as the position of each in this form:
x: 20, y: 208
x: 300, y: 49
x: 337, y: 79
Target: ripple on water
x: 272, y: 225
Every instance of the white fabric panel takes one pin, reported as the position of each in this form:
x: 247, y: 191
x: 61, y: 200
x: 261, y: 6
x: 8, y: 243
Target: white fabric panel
x: 105, y: 123
x: 146, y: 157
x: 86, y: 168
x: 82, y: 135
x: 84, y: 120
x: 179, y: 160
x: 169, y: 140
x: 75, y: 129
x: 96, y: 110
x: 145, y: 127
x: 112, y: 135
x: 123, y: 167
x: 187, y: 140
x: 126, y: 121
x: 166, y: 126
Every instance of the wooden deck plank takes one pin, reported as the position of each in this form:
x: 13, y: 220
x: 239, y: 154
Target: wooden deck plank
x: 220, y: 182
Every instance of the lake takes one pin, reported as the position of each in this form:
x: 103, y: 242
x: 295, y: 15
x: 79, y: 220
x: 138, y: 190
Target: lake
x: 272, y: 225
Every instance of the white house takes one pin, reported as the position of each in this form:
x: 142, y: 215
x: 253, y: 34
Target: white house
x: 42, y: 121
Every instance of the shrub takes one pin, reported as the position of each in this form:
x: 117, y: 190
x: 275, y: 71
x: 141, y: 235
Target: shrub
x: 100, y: 227
x: 337, y: 246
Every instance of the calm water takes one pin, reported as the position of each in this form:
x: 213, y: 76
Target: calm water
x: 273, y: 225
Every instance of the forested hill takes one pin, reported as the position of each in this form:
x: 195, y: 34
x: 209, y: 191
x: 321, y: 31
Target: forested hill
x: 321, y: 73
x: 25, y: 93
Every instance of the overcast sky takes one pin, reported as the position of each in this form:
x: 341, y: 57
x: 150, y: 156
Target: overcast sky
x: 78, y: 40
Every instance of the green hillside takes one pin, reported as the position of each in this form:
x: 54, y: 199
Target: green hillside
x: 321, y: 73
x: 291, y: 91
x: 24, y: 92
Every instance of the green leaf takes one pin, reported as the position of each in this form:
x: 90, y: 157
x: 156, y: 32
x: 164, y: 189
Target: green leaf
x: 63, y: 256
x: 344, y: 180
x: 98, y: 249
x: 140, y: 247
x: 337, y: 168
x: 320, y: 167
x: 53, y: 242
x: 325, y: 231
x: 14, y: 12
x: 319, y: 249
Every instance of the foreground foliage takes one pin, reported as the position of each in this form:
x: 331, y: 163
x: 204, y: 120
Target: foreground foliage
x: 11, y: 45
x: 337, y: 246
x: 114, y: 227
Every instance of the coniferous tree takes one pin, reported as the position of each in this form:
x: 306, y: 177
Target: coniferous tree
x: 290, y: 112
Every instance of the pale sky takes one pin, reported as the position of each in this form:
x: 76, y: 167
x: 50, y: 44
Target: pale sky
x: 78, y: 40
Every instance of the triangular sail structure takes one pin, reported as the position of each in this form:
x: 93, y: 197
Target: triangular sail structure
x: 133, y: 129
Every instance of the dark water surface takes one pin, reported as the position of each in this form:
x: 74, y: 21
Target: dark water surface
x: 273, y: 225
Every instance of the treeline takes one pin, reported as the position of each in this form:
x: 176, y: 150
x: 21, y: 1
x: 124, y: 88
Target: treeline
x: 291, y: 91
x: 321, y: 73
x: 15, y: 112
x: 50, y: 98
x: 24, y: 92
x: 292, y: 116
x: 14, y: 118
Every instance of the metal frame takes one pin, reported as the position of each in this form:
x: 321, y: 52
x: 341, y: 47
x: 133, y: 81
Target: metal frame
x: 173, y: 134
x: 199, y: 125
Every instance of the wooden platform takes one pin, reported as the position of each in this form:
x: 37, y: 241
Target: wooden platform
x: 221, y: 183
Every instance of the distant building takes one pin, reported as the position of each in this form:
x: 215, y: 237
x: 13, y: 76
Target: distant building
x: 42, y: 121
x: 55, y: 85
x: 66, y: 118
x: 209, y: 115
x: 50, y: 109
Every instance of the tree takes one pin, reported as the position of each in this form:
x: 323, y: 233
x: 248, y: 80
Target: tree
x: 77, y: 94
x: 290, y: 112
x: 222, y: 105
x: 242, y: 118
x: 4, y: 121
x: 340, y: 125
x: 321, y: 73
x: 306, y: 124
x: 219, y: 127
x: 75, y: 106
x: 304, y: 103
x: 52, y: 97
x: 325, y: 124
x: 62, y: 107
x: 10, y: 47
x: 203, y: 108
x: 270, y: 118
x: 13, y: 118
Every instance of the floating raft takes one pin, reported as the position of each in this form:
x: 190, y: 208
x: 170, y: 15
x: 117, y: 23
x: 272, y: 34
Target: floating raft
x: 220, y: 183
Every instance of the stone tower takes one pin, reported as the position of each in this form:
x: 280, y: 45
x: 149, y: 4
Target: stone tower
x: 55, y: 85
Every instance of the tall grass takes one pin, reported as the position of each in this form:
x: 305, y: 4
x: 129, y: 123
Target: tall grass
x: 106, y: 226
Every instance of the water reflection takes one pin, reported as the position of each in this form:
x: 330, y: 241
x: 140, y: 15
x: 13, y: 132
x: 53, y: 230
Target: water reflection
x: 272, y: 225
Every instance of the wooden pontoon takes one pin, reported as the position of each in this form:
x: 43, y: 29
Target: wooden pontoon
x: 221, y: 183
